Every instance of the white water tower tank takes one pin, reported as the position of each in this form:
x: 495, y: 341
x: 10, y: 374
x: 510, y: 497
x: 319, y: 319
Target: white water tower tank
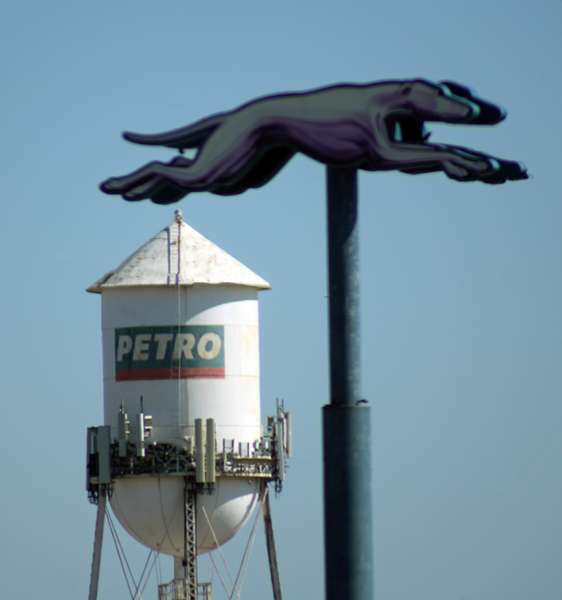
x: 180, y: 331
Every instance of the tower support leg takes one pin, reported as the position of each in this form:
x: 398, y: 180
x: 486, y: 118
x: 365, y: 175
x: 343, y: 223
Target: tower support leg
x: 190, y: 542
x: 98, y: 542
x: 271, y: 552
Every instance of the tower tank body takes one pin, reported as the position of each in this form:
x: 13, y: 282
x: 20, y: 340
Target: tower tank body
x: 181, y: 343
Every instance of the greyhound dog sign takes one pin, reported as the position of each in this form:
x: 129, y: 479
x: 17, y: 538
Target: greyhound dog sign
x: 373, y: 126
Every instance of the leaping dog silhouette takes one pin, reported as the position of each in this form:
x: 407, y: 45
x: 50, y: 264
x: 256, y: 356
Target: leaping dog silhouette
x: 374, y: 126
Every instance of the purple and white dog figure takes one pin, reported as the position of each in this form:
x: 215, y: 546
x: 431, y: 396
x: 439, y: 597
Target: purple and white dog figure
x: 376, y: 127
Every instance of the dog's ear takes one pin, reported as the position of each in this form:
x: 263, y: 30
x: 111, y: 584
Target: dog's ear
x: 405, y: 89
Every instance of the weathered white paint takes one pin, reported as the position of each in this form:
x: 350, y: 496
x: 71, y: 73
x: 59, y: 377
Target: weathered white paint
x: 179, y: 254
x: 151, y: 510
x: 234, y: 402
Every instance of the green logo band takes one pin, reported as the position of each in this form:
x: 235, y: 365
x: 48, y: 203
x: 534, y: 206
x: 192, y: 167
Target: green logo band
x: 169, y: 352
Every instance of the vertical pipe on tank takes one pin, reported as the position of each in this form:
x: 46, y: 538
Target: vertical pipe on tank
x: 139, y: 434
x: 347, y: 494
x: 279, y: 450
x: 199, y: 452
x: 103, y: 443
x: 289, y: 434
x: 211, y: 451
x: 122, y: 430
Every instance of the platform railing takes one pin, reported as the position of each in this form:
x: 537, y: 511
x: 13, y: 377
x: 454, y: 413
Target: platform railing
x: 176, y: 589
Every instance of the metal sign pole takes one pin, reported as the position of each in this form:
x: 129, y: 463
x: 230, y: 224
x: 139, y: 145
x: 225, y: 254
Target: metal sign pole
x: 346, y: 420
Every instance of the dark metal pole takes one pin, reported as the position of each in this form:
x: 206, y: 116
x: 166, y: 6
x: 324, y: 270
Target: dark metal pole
x: 347, y: 447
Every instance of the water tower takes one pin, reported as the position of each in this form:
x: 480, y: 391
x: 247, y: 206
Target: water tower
x: 182, y: 455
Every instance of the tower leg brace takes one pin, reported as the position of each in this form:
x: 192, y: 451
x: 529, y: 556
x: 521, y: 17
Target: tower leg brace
x: 98, y: 541
x: 270, y: 542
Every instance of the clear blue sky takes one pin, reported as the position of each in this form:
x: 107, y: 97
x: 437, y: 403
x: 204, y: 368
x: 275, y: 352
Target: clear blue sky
x: 461, y: 288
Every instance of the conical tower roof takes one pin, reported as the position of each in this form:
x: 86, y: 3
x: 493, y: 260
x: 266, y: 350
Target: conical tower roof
x: 179, y: 255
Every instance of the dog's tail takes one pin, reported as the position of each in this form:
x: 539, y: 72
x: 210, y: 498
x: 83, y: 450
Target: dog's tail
x: 190, y: 136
